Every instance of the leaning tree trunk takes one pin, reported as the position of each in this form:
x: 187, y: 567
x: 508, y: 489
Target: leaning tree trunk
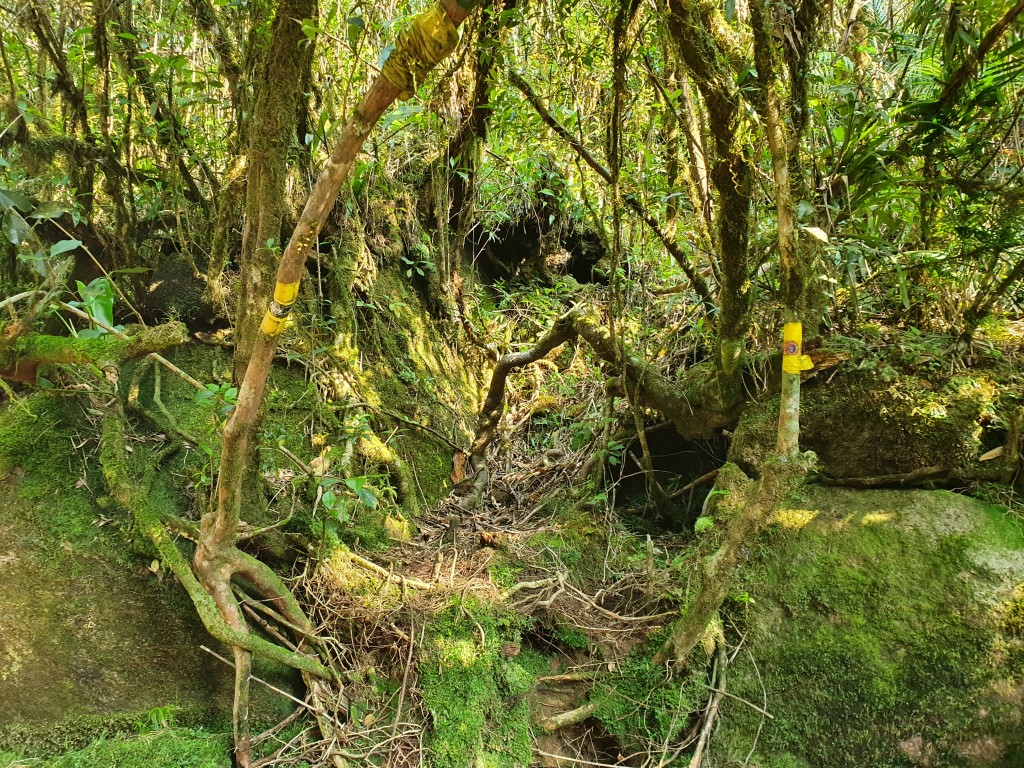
x: 750, y: 504
x: 431, y: 37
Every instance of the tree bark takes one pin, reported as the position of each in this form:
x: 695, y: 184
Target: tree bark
x: 274, y: 116
x: 704, y: 43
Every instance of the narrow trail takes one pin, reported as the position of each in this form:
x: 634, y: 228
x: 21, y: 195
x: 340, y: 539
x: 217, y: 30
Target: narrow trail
x: 510, y: 551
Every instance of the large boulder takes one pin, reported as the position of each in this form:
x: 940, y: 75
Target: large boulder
x: 94, y: 637
x: 882, y: 629
x: 861, y: 425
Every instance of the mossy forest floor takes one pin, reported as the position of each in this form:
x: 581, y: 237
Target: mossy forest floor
x: 877, y: 628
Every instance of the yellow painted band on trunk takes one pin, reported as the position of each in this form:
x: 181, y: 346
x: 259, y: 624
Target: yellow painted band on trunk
x: 792, y: 332
x: 286, y: 293
x: 793, y: 361
x: 272, y: 326
x: 420, y: 47
x: 797, y: 363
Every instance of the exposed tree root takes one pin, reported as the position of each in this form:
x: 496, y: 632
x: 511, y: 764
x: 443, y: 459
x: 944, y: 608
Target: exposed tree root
x: 210, y: 585
x: 712, y: 710
x: 133, y: 495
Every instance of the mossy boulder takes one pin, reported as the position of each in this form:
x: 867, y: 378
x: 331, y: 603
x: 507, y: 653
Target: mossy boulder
x: 882, y: 629
x: 862, y: 426
x: 93, y: 638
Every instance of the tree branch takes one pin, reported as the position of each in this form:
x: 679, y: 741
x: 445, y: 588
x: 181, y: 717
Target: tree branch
x: 698, y: 283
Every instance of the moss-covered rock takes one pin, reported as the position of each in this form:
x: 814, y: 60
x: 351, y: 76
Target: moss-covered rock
x: 881, y: 631
x: 862, y: 426
x: 177, y: 292
x: 92, y: 638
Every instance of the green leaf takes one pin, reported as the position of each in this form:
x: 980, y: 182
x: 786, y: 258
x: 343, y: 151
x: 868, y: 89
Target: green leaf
x: 11, y: 199
x: 98, y: 297
x: 15, y: 227
x: 48, y: 210
x: 358, y: 486
x: 64, y: 246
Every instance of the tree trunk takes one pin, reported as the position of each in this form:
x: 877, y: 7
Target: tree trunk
x: 704, y: 43
x: 277, y: 100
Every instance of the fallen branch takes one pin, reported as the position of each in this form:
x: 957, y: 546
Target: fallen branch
x: 122, y: 335
x: 21, y: 356
x: 712, y: 712
x: 568, y: 677
x: 702, y: 480
x: 572, y: 717
x: 407, y: 581
x: 734, y: 697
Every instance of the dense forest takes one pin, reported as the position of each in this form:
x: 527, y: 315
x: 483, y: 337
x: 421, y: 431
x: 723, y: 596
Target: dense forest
x: 492, y: 383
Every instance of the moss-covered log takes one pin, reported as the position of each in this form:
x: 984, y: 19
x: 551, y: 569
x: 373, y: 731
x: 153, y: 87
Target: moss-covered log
x: 20, y: 358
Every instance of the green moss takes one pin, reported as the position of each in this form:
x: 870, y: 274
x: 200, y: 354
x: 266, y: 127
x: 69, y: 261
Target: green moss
x: 79, y: 608
x: 181, y: 748
x: 639, y: 704
x: 575, y: 540
x: 504, y: 573
x: 571, y: 637
x: 78, y: 732
x: 875, y: 624
x: 474, y: 687
x: 1012, y: 614
x: 52, y: 480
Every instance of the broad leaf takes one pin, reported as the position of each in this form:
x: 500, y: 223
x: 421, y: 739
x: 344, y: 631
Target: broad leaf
x: 11, y: 199
x: 48, y: 210
x: 64, y: 246
x: 15, y: 227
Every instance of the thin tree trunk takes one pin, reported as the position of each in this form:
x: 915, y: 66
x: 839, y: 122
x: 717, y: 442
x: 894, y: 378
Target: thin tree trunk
x: 794, y: 278
x: 221, y: 525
